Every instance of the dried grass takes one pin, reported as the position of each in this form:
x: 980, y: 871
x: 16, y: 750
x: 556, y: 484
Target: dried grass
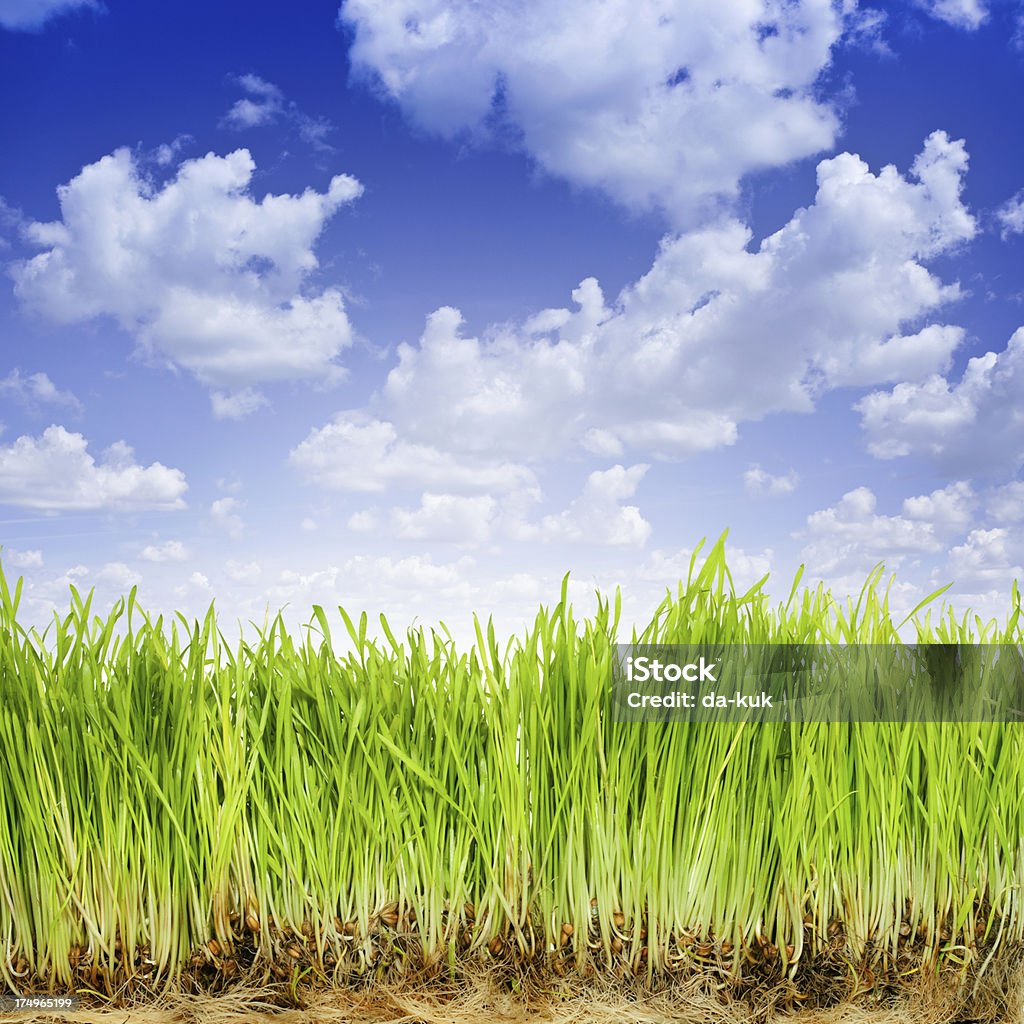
x: 488, y: 998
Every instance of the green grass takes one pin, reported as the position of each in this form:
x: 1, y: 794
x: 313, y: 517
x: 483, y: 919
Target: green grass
x: 161, y: 788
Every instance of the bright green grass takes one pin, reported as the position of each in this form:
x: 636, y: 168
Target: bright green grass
x: 157, y: 780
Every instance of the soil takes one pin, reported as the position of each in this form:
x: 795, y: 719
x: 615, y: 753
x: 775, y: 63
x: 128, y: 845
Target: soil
x: 491, y: 997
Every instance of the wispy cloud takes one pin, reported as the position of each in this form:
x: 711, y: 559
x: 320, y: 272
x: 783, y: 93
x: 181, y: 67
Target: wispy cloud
x: 265, y: 104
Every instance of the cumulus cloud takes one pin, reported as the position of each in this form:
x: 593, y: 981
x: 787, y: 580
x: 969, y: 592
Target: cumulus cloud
x: 965, y: 14
x: 658, y: 104
x: 203, y: 275
x: 951, y: 507
x: 169, y: 551
x: 850, y: 536
x: 36, y: 389
x: 364, y: 576
x: 358, y: 453
x: 197, y: 584
x: 971, y: 426
x: 760, y: 483
x: 717, y: 333
x: 462, y: 519
x: 56, y: 471
x: 985, y: 561
x: 598, y: 516
x: 32, y: 15
x: 32, y: 559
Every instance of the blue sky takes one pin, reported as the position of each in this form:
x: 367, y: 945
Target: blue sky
x: 415, y: 307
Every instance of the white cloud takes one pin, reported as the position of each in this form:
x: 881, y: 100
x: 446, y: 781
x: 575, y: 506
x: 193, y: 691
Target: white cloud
x: 462, y: 519
x: 669, y: 568
x: 169, y: 551
x: 10, y: 216
x: 118, y: 575
x: 36, y: 389
x: 262, y: 104
x: 950, y: 508
x: 714, y: 335
x: 224, y: 514
x: 1011, y: 216
x: 22, y: 559
x: 197, y: 583
x: 244, y: 572
x: 936, y: 540
x: 1006, y: 504
x: 598, y: 516
x: 205, y: 276
x: 73, y: 577
x: 358, y: 453
x: 850, y: 537
x: 367, y: 579
x: 308, y: 524
x: 985, y: 561
x: 760, y: 483
x: 658, y: 103
x: 236, y: 405
x: 55, y: 471
x: 965, y: 14
x: 31, y: 15
x: 364, y: 521
x: 167, y: 152
x: 974, y: 426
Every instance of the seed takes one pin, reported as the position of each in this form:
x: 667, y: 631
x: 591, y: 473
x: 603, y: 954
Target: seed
x: 252, y: 922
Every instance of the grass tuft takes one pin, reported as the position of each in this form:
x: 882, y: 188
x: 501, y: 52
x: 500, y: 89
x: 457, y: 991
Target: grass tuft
x: 177, y: 813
